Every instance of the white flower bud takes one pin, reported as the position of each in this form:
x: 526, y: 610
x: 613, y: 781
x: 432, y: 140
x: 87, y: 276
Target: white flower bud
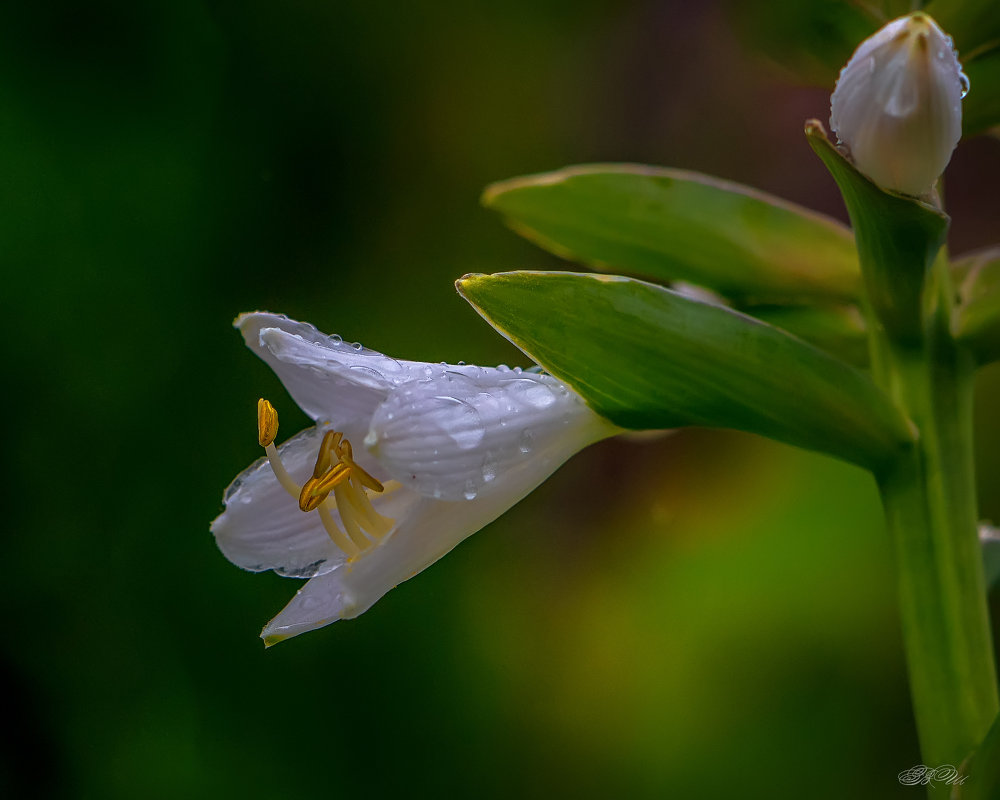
x: 897, y: 106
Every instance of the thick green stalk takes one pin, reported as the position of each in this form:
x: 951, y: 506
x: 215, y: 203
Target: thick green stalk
x: 930, y: 505
x: 928, y: 488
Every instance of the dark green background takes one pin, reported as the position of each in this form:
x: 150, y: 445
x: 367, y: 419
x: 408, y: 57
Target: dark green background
x: 703, y: 615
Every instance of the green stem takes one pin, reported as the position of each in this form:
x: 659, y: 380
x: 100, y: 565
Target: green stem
x: 930, y: 505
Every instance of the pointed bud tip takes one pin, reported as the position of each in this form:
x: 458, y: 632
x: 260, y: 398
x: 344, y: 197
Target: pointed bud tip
x: 897, y: 106
x: 814, y: 127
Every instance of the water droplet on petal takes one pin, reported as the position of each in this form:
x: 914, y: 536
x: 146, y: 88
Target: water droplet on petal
x: 336, y: 339
x: 527, y: 441
x: 463, y: 424
x: 356, y: 345
x: 489, y: 468
x: 470, y: 490
x: 964, y: 80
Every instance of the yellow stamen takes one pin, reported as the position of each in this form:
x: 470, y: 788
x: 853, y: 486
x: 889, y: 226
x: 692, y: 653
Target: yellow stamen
x: 350, y: 523
x: 335, y: 472
x: 347, y: 456
x: 329, y: 446
x: 267, y: 422
x: 309, y: 498
x: 334, y: 532
x: 376, y: 524
x: 336, y: 476
x: 365, y: 479
x: 287, y: 482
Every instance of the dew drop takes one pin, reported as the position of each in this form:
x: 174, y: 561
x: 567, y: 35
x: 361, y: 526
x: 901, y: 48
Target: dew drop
x: 489, y: 469
x: 526, y: 442
x: 356, y: 345
x: 336, y: 339
x: 964, y: 80
x: 538, y: 396
x: 470, y: 490
x: 461, y: 421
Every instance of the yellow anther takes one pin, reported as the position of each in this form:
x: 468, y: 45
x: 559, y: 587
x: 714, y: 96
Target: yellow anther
x: 346, y: 454
x: 336, y: 473
x: 309, y: 499
x: 267, y: 422
x: 365, y: 479
x: 333, y: 478
x: 327, y: 448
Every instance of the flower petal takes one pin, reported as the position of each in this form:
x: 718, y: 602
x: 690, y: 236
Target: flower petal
x: 429, y: 531
x: 262, y: 527
x: 454, y: 436
x: 329, y: 379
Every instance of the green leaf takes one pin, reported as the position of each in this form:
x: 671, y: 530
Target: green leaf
x: 898, y: 238
x: 669, y: 225
x: 981, y: 107
x: 990, y: 539
x: 812, y: 40
x: 976, y: 318
x: 839, y: 330
x: 647, y: 357
x: 982, y: 769
x: 973, y: 24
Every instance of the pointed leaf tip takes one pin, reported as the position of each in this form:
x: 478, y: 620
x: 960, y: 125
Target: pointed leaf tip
x: 646, y: 357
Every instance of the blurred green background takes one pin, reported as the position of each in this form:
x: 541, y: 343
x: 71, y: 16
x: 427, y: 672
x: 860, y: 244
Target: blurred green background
x: 704, y: 615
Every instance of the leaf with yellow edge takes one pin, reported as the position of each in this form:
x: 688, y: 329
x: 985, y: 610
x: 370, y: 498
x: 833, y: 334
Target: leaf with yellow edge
x: 671, y: 225
x: 647, y: 357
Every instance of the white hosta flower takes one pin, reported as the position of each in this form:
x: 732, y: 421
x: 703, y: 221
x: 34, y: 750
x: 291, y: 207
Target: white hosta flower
x: 898, y: 104
x: 442, y: 450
